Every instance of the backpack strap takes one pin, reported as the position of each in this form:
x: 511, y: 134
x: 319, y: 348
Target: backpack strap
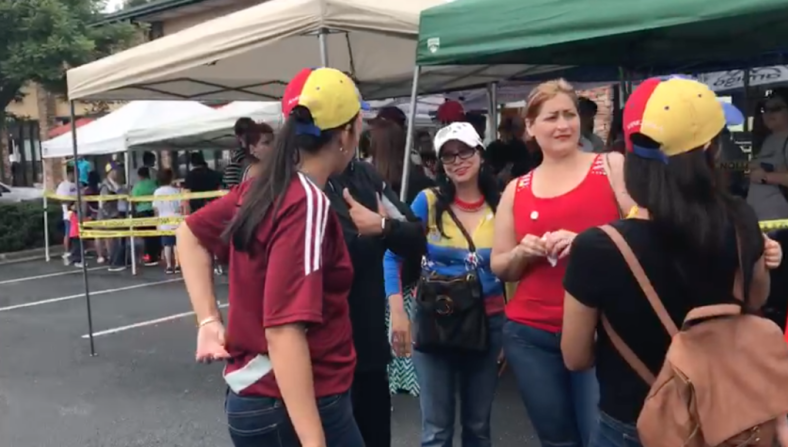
x: 648, y: 290
x: 642, y: 279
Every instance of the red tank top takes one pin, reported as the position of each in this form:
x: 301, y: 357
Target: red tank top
x: 539, y: 298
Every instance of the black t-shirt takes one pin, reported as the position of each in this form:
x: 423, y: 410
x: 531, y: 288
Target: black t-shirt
x: 501, y: 153
x: 598, y: 277
x: 201, y: 179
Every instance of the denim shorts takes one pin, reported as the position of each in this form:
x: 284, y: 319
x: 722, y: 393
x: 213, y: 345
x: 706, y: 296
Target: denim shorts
x: 263, y: 422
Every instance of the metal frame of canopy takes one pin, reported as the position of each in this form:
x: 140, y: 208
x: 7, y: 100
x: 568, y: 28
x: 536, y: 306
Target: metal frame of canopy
x: 324, y: 62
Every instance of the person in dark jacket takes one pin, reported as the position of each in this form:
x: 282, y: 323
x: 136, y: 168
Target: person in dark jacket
x: 233, y: 173
x: 373, y: 220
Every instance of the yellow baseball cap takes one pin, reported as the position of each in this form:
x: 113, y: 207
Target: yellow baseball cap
x: 330, y: 95
x: 679, y: 113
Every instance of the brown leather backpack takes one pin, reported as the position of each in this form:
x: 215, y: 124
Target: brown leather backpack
x: 725, y: 377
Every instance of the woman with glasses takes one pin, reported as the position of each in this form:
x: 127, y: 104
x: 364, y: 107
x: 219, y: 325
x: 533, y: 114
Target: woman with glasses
x: 458, y: 221
x: 769, y: 169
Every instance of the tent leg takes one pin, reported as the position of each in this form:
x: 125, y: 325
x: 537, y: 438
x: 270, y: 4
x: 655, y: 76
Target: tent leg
x: 406, y: 165
x: 745, y: 78
x: 81, y: 217
x: 130, y: 213
x: 46, y: 216
x: 323, y: 47
x: 492, y: 115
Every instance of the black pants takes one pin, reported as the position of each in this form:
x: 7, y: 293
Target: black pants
x: 372, y: 407
x: 152, y: 245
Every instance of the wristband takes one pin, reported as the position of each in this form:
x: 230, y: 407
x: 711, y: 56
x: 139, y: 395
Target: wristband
x: 209, y: 320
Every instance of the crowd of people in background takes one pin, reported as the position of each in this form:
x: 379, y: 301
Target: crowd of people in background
x: 569, y: 260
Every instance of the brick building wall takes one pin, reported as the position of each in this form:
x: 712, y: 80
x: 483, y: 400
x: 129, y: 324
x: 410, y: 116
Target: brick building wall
x: 603, y: 97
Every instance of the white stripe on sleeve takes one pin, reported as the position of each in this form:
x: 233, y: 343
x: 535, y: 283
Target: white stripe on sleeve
x: 316, y: 216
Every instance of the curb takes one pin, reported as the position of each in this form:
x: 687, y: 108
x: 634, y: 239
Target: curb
x: 28, y: 255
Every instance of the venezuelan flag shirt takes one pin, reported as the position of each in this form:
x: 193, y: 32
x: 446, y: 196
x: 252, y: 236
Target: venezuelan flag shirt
x: 449, y: 255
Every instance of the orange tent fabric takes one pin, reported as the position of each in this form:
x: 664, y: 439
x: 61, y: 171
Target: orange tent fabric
x: 63, y: 128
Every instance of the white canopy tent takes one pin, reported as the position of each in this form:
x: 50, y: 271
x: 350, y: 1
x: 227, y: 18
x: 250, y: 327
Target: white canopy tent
x: 214, y: 129
x: 116, y: 131
x: 253, y: 53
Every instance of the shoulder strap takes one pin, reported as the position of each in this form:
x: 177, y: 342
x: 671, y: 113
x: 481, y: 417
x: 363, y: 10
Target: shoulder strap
x: 642, y: 279
x: 465, y: 234
x: 648, y: 290
x: 471, y: 245
x: 609, y: 175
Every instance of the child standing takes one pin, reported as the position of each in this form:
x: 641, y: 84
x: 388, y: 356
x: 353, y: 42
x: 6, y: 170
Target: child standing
x: 168, y: 208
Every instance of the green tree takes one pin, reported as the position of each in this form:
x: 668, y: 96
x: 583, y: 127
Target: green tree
x: 41, y: 38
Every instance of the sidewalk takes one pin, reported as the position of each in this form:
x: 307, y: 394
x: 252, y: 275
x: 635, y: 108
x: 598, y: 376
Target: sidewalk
x: 29, y: 255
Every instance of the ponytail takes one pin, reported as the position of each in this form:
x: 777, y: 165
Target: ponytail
x: 267, y: 190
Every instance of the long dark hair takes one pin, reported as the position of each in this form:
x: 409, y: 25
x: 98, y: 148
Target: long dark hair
x: 689, y: 204
x: 268, y: 188
x: 387, y: 142
x: 446, y: 192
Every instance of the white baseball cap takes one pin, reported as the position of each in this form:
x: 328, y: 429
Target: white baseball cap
x: 460, y: 131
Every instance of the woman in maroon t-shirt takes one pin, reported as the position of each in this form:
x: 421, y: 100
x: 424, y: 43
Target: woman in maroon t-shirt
x: 288, y: 345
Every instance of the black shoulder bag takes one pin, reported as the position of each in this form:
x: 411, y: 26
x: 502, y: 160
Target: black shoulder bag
x: 450, y: 313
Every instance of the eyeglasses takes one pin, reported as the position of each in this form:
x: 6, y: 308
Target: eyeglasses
x: 463, y: 154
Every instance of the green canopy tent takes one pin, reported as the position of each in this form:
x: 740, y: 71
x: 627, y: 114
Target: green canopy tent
x: 635, y: 34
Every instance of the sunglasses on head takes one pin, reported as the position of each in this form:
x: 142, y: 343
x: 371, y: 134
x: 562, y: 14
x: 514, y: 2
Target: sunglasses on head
x: 774, y: 108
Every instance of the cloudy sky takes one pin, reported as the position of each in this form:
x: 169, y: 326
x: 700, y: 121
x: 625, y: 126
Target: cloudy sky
x: 114, y: 5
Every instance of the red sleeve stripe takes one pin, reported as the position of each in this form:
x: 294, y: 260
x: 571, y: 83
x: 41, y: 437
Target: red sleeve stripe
x: 314, y: 228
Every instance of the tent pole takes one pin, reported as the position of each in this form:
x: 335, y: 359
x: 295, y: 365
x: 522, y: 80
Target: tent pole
x: 406, y: 164
x: 130, y: 214
x: 46, y: 216
x: 492, y: 117
x: 746, y: 84
x: 80, y: 219
x: 321, y: 36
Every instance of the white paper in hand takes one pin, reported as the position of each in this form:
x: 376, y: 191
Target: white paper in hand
x: 551, y: 258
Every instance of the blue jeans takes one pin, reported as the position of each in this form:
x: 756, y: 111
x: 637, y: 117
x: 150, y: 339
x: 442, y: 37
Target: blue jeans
x: 614, y: 433
x: 561, y: 404
x: 263, y: 422
x: 476, y: 375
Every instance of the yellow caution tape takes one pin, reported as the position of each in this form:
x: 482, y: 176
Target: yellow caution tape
x: 115, y: 197
x: 771, y: 225
x: 133, y: 223
x: 184, y: 196
x: 103, y: 234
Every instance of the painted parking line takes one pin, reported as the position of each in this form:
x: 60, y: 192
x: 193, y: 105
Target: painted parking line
x: 82, y: 295
x: 48, y: 275
x: 145, y: 323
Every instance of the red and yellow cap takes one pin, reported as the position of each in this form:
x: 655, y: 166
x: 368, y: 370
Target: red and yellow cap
x: 679, y: 113
x: 330, y: 95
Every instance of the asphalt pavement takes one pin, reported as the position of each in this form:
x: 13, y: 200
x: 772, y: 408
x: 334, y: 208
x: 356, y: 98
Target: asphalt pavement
x: 143, y: 388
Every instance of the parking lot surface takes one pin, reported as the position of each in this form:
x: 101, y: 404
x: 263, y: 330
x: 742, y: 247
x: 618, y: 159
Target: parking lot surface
x: 143, y: 388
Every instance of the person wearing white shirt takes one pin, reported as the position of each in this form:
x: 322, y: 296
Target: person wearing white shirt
x: 67, y: 188
x: 168, y: 208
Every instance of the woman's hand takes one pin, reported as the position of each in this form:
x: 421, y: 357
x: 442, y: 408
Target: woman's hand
x: 530, y: 247
x: 557, y: 243
x: 772, y: 253
x: 401, y: 341
x: 757, y: 175
x: 367, y: 222
x: 210, y: 343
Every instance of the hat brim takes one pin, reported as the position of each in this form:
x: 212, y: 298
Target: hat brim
x: 478, y: 144
x: 733, y: 116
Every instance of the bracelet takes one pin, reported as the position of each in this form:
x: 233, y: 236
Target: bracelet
x: 209, y: 320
